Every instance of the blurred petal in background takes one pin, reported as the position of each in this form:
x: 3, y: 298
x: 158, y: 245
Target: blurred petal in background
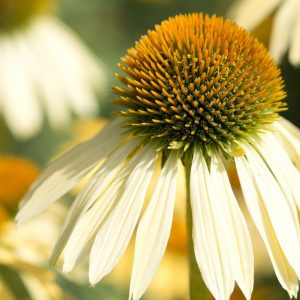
x: 285, y: 31
x: 44, y: 69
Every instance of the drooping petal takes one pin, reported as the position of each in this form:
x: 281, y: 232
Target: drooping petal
x: 114, y: 236
x: 80, y: 242
x: 241, y: 254
x: 294, y: 130
x: 78, y: 72
x: 294, y: 53
x: 284, y: 272
x: 246, y: 14
x: 289, y: 137
x: 154, y: 229
x: 285, y: 225
x: 282, y: 26
x: 20, y: 106
x: 47, y: 81
x: 62, y: 174
x: 87, y: 64
x: 209, y: 234
x: 287, y: 175
x: 96, y: 186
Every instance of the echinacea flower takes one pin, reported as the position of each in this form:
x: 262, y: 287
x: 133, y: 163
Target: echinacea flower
x: 24, y: 250
x: 285, y: 32
x: 203, y: 91
x: 44, y: 69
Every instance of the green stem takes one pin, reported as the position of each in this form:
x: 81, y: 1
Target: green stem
x: 198, y: 290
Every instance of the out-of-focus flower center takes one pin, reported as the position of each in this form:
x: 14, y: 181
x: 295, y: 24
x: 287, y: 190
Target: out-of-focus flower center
x: 178, y: 236
x: 199, y: 79
x: 15, y: 13
x: 16, y: 175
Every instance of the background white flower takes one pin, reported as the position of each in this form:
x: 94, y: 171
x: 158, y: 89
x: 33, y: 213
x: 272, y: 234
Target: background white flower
x: 24, y: 250
x: 45, y: 67
x: 285, y: 34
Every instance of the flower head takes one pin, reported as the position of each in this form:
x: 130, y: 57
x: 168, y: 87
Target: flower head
x: 44, y: 68
x: 199, y: 80
x: 202, y: 91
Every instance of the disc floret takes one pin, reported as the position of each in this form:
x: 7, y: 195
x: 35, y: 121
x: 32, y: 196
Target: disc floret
x: 199, y: 79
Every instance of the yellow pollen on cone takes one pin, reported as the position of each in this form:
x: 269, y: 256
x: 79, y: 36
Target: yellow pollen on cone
x: 199, y: 79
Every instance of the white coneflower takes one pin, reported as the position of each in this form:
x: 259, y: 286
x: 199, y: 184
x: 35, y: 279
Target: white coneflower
x: 285, y: 33
x: 44, y: 67
x: 201, y: 90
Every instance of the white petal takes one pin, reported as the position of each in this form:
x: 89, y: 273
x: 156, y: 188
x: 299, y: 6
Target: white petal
x: 47, y: 80
x: 288, y: 177
x: 294, y: 130
x: 83, y: 235
x: 37, y: 289
x: 241, y: 254
x: 97, y: 185
x: 285, y: 274
x: 75, y: 66
x: 154, y: 229
x: 62, y: 174
x: 21, y: 109
x: 113, y: 237
x: 250, y: 13
x: 209, y: 234
x: 82, y: 238
x: 278, y: 208
x: 289, y: 137
x: 283, y: 23
x: 294, y: 53
x: 88, y: 65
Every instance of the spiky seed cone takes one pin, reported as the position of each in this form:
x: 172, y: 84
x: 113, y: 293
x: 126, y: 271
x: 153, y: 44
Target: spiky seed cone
x: 199, y: 79
x: 15, y: 13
